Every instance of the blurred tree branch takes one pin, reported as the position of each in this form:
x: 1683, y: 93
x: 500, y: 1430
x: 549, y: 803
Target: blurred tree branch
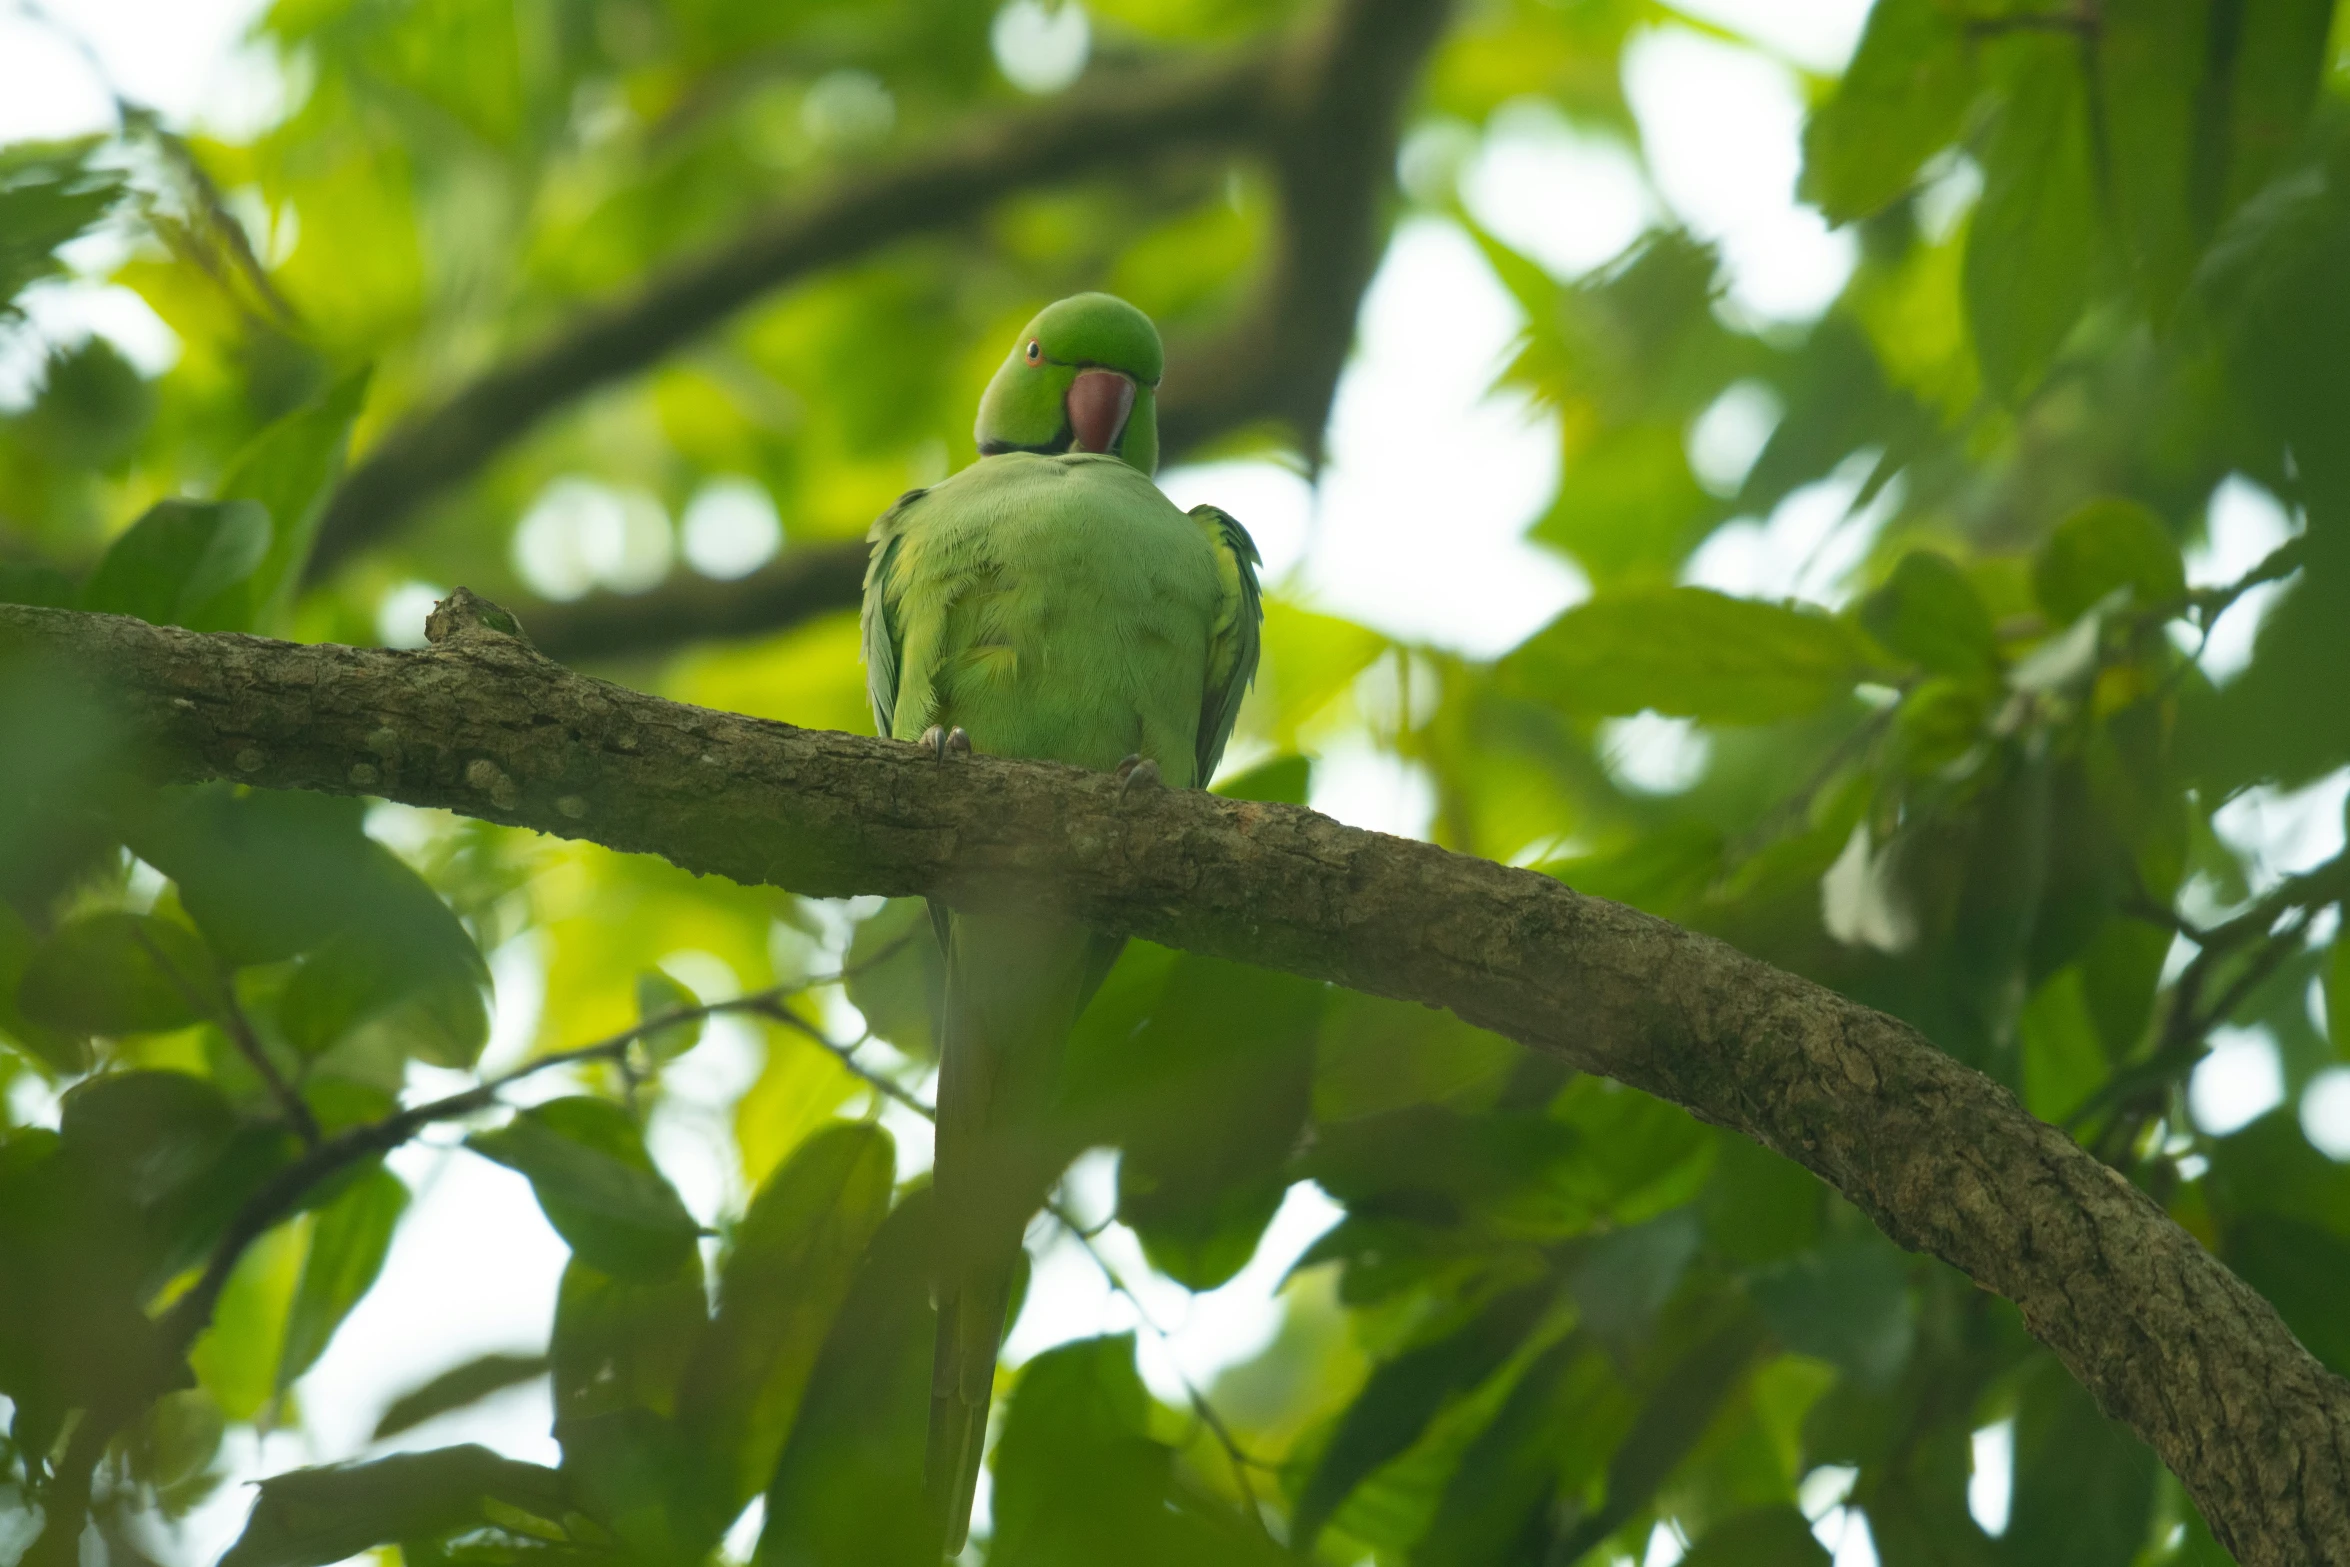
x: 1939, y: 1156
x: 798, y: 585
x: 1323, y: 108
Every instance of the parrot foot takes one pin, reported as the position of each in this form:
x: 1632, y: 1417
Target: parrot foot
x: 1138, y: 770
x: 940, y: 743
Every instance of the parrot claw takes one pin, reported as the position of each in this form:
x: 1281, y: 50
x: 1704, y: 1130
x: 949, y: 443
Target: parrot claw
x: 1137, y: 770
x: 940, y: 743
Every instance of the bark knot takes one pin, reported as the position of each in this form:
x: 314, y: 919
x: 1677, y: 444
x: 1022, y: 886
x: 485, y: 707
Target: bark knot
x: 466, y: 616
x: 488, y: 777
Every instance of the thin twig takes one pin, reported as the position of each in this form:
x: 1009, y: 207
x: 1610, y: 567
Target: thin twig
x: 2211, y: 603
x: 847, y: 1056
x: 1239, y: 1457
x: 222, y: 1007
x: 68, y: 1495
x: 2277, y: 920
x: 239, y: 1028
x: 279, y: 1195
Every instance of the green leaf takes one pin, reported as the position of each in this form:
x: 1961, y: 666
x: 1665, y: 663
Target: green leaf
x: 93, y: 410
x: 1929, y: 613
x: 1286, y: 780
x: 1687, y: 652
x: 897, y: 975
x: 2105, y: 545
x: 2084, y: 1486
x: 1546, y: 1442
x: 622, y: 1346
x: 618, y: 1355
x: 146, y: 1134
x: 2270, y: 1168
x: 1624, y: 1278
x: 73, y: 1333
x: 1766, y: 1537
x: 2280, y: 58
x: 465, y: 1383
x: 2064, y: 1061
x: 1079, y: 1428
x: 1847, y: 1303
x: 1941, y: 721
x: 118, y: 973
x: 267, y: 875
x: 176, y: 1439
x: 42, y: 586
x: 1914, y: 1490
x: 1628, y: 508
x: 795, y: 1256
x: 1208, y: 1096
x: 348, y: 1243
x: 1513, y: 1169
x: 1838, y: 402
x: 2161, y: 141
x: 236, y: 1357
x: 273, y: 874
x: 1760, y: 1206
x: 1373, y: 1055
x: 184, y: 563
x: 186, y: 1219
x: 1404, y: 1395
x: 65, y: 1052
x: 2033, y: 238
x: 657, y: 995
x: 2305, y: 1273
x: 587, y: 1166
x: 1677, y: 1413
x: 313, y: 1517
x: 1903, y: 98
x: 289, y: 469
x: 49, y: 193
x: 426, y: 996
x: 1659, y: 872
x: 848, y: 1487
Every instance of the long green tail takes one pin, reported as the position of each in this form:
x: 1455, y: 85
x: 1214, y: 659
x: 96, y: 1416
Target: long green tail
x: 1014, y: 986
x: 970, y: 1330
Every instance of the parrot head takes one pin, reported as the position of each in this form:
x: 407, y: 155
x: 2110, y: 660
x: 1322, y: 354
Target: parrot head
x: 1082, y: 377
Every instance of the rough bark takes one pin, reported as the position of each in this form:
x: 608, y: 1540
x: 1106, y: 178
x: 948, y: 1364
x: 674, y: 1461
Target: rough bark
x: 1941, y: 1157
x: 1323, y: 106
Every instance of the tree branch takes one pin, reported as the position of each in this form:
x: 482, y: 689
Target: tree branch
x: 1325, y: 108
x: 799, y: 585
x: 1192, y: 104
x: 1943, y: 1159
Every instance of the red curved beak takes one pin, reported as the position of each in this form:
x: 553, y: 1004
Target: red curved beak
x: 1099, y: 402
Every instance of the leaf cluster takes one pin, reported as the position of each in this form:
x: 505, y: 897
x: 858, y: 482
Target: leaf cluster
x: 1988, y: 777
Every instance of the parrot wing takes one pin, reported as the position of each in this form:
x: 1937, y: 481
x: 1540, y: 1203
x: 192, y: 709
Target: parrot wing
x: 1233, y: 643
x: 883, y: 638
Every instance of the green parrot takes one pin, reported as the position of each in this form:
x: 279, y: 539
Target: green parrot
x: 1048, y: 601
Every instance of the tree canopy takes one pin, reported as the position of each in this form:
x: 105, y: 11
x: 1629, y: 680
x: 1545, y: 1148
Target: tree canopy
x: 509, y: 285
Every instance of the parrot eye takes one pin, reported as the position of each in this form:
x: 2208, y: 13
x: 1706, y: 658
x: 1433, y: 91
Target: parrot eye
x: 1035, y: 352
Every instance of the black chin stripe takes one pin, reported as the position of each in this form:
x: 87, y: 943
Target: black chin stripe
x: 998, y: 448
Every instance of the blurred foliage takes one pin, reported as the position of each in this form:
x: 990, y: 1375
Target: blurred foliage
x: 1980, y: 785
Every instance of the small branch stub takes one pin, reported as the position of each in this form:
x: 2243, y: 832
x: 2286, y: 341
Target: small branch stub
x: 465, y: 614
